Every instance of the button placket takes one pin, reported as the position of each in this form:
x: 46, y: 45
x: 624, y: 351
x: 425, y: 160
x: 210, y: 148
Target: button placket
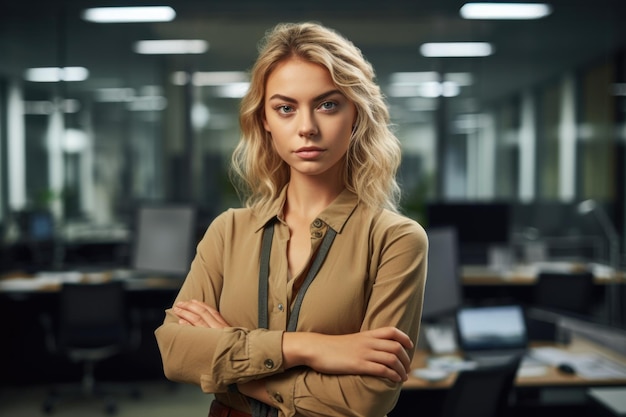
x: 317, y: 226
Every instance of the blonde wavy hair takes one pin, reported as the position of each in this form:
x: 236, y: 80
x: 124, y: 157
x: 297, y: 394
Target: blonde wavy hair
x: 373, y: 155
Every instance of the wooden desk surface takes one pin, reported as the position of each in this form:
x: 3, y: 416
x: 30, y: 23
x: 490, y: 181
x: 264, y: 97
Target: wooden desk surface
x: 552, y: 376
x: 477, y: 275
x: 51, y: 282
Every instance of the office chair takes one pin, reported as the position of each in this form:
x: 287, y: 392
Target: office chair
x: 564, y: 292
x: 93, y: 324
x: 482, y: 392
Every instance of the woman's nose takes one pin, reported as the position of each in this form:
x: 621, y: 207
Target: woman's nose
x: 308, y: 125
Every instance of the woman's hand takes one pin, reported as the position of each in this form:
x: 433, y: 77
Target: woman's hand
x: 196, y: 313
x: 381, y: 352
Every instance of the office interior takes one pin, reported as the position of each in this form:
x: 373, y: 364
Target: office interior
x: 520, y: 149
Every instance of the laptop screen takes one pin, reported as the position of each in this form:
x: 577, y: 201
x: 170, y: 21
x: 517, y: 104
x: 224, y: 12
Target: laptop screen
x: 491, y: 328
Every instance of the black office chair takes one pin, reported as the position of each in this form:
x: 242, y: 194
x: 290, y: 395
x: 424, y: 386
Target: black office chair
x: 482, y: 392
x: 564, y: 292
x: 93, y: 324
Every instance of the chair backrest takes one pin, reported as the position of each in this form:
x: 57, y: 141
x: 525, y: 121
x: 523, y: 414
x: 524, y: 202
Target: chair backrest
x: 92, y: 315
x: 564, y: 292
x: 481, y: 392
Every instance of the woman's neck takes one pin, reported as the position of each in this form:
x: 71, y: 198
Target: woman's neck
x: 308, y: 196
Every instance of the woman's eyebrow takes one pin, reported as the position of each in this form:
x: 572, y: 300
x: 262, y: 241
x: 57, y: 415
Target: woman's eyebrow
x: 282, y: 98
x: 317, y: 98
x: 327, y: 94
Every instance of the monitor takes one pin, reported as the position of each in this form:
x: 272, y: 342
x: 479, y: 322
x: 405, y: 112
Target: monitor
x: 164, y: 239
x: 36, y: 225
x: 443, y: 294
x: 495, y: 327
x: 480, y: 226
x: 475, y: 222
x: 41, y: 226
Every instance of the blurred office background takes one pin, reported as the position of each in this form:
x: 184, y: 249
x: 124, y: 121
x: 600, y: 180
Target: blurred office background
x: 536, y: 120
x: 526, y: 137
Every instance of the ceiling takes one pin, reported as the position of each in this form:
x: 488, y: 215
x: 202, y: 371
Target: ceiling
x: 50, y: 33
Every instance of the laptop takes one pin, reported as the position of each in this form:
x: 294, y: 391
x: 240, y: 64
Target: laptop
x: 492, y: 334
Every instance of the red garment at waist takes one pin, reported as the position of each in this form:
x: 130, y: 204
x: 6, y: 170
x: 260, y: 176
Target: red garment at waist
x: 220, y: 410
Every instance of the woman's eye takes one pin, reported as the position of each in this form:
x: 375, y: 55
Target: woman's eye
x: 284, y: 109
x: 328, y: 105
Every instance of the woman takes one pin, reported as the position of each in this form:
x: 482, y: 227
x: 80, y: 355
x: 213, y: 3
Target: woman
x: 308, y: 301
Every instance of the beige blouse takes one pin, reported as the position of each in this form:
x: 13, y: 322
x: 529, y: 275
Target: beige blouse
x: 373, y: 276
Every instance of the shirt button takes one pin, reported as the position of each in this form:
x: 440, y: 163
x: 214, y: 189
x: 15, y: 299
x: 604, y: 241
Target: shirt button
x: 278, y: 397
x: 281, y: 307
x: 269, y: 364
x: 317, y: 223
x: 317, y: 234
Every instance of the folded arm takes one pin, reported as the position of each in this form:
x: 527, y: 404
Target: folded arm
x: 380, y: 352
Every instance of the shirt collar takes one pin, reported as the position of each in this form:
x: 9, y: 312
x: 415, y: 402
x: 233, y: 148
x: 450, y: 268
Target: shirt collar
x: 271, y: 211
x: 335, y: 215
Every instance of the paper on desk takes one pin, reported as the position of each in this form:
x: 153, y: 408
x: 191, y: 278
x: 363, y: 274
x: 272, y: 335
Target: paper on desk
x: 452, y: 363
x: 587, y: 365
x: 525, y: 371
x: 440, y: 339
x: 20, y: 284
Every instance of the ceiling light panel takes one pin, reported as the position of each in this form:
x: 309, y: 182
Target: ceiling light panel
x: 456, y: 49
x: 171, y: 46
x: 129, y: 14
x: 504, y: 11
x: 414, y: 77
x: 56, y: 74
x: 214, y: 78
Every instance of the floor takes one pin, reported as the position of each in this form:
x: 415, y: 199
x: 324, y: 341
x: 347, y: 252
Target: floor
x: 157, y: 399
x: 166, y: 399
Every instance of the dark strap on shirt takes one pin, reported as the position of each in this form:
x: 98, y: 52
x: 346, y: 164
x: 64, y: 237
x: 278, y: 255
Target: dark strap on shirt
x: 315, y: 267
x: 260, y: 409
x: 264, y: 273
x: 268, y: 234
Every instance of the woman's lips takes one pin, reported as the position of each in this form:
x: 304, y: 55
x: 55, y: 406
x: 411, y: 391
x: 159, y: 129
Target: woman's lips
x: 309, y: 153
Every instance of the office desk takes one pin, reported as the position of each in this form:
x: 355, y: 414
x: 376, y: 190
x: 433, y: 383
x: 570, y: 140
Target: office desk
x: 530, y: 391
x: 481, y: 282
x: 552, y: 376
x: 25, y: 359
x: 525, y: 275
x: 20, y: 283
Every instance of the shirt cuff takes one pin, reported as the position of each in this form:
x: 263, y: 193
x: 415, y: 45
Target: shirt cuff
x: 265, y: 349
x: 281, y: 390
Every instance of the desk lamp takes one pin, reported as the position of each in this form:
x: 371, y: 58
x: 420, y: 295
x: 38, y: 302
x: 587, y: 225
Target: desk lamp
x: 591, y: 207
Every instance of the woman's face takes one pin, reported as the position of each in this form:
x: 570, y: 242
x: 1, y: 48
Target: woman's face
x: 309, y: 120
